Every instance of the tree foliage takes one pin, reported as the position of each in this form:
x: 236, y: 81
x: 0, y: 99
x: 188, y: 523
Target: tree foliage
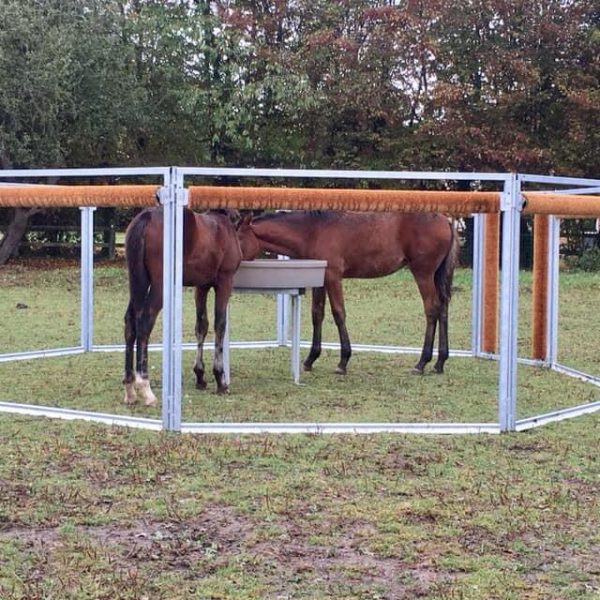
x: 393, y: 84
x: 369, y: 83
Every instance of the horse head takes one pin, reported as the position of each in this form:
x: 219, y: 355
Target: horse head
x: 249, y: 243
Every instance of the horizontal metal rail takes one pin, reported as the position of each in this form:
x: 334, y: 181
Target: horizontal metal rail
x: 576, y: 191
x: 557, y: 415
x: 341, y: 428
x: 250, y: 344
x: 83, y: 172
x: 68, y: 414
x: 342, y: 174
x: 586, y: 377
x: 554, y: 180
x: 31, y: 354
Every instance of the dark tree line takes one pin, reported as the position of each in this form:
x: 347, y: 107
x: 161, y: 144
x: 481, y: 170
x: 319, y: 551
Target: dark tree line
x: 374, y: 84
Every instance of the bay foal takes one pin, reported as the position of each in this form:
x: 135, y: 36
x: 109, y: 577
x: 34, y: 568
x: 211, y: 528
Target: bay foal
x: 363, y: 244
x: 211, y: 256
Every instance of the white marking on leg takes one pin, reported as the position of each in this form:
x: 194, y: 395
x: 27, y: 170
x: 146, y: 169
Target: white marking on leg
x: 199, y: 364
x: 143, y: 386
x: 130, y: 395
x: 218, y: 368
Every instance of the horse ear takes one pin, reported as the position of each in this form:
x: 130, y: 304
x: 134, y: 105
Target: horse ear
x: 245, y: 220
x: 233, y: 214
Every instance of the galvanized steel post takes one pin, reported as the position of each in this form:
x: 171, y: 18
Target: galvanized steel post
x: 477, y: 298
x: 172, y: 198
x: 87, y: 278
x: 553, y: 279
x: 510, y: 206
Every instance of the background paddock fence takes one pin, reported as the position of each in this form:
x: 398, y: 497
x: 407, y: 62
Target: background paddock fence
x: 495, y: 292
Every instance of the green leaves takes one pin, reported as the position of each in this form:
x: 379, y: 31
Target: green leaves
x: 359, y: 83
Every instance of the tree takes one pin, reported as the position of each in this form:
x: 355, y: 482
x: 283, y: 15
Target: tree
x: 66, y: 94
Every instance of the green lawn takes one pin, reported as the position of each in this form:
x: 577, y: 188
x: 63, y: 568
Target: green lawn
x: 378, y: 387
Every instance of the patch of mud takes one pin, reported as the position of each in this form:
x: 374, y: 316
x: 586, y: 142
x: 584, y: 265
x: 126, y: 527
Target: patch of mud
x: 219, y: 537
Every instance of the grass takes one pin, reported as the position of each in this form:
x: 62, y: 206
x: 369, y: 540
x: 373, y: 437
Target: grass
x: 88, y: 511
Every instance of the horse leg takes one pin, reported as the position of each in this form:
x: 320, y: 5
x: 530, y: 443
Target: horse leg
x: 432, y: 311
x: 129, y: 378
x: 201, y: 331
x: 443, y: 350
x: 336, y: 301
x: 144, y: 324
x: 318, y: 313
x: 222, y: 294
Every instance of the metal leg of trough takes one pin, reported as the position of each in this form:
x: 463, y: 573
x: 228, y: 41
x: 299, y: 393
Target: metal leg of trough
x: 283, y: 314
x: 296, y: 299
x: 283, y: 320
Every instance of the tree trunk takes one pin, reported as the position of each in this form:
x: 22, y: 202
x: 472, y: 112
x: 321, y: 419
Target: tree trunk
x: 14, y: 233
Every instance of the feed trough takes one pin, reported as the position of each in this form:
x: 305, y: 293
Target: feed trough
x: 280, y: 274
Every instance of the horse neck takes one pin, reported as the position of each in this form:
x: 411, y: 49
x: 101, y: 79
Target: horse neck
x: 280, y: 236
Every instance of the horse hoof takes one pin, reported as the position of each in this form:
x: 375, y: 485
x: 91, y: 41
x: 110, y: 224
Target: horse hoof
x: 201, y: 385
x: 417, y: 371
x: 307, y: 367
x: 222, y: 391
x: 129, y: 400
x: 150, y: 401
x: 438, y: 370
x: 340, y: 371
x: 130, y: 395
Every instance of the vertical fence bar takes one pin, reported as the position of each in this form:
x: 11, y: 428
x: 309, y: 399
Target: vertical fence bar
x: 87, y: 278
x: 553, y: 280
x: 171, y: 392
x: 181, y: 200
x: 477, y: 298
x: 509, y: 295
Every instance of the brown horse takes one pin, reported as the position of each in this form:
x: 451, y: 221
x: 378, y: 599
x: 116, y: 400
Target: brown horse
x: 211, y: 256
x: 361, y: 244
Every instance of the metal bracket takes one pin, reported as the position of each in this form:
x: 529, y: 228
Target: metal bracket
x: 162, y: 195
x: 182, y: 196
x: 510, y: 200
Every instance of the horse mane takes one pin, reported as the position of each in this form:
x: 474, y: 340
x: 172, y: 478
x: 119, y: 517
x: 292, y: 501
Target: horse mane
x: 319, y: 214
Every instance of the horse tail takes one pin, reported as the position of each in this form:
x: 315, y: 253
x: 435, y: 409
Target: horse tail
x: 445, y: 272
x: 139, y: 278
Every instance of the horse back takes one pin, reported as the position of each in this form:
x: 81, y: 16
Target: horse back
x: 210, y: 246
x: 377, y: 244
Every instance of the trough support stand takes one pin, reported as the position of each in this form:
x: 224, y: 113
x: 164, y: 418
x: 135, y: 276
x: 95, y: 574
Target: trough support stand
x: 296, y: 338
x: 509, y: 295
x: 283, y: 314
